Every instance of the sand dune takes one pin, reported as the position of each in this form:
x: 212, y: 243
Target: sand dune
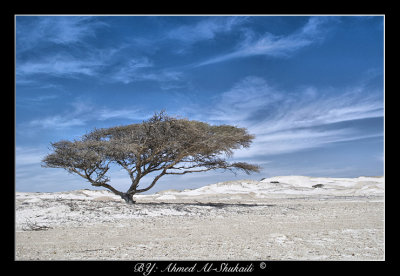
x: 287, y: 186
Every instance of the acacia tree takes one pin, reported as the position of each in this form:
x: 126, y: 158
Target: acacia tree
x: 162, y: 145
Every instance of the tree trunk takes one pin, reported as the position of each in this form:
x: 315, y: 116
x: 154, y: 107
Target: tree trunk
x: 128, y: 198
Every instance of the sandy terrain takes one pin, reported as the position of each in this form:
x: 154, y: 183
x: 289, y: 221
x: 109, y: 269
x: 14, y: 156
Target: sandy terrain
x: 242, y: 220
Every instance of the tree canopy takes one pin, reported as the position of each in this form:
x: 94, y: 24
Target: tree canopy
x: 162, y: 145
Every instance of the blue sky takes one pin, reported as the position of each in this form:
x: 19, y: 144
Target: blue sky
x: 309, y: 87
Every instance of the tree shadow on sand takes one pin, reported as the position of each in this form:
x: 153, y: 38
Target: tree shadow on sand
x: 206, y: 204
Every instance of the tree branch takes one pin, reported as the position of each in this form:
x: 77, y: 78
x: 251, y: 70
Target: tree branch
x: 185, y: 172
x: 152, y: 183
x: 96, y: 182
x: 111, y: 188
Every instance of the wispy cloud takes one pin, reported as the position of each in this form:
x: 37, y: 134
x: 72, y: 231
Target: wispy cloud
x: 107, y: 114
x: 276, y: 45
x: 35, y: 102
x: 31, y: 177
x: 61, y: 30
x: 57, y: 46
x: 77, y: 116
x: 59, y: 66
x: 83, y: 112
x: 73, y: 53
x: 296, y: 140
x: 253, y: 98
x: 286, y: 122
x: 245, y: 97
x: 57, y: 122
x: 206, y: 29
x: 143, y: 69
x: 28, y: 155
x: 129, y: 71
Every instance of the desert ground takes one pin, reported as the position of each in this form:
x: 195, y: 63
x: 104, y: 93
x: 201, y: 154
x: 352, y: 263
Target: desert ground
x: 278, y: 218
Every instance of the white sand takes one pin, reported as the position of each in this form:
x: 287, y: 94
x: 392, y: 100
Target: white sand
x: 237, y: 220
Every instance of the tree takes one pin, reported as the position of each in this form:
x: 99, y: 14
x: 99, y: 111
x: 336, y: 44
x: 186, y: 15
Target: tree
x: 162, y: 145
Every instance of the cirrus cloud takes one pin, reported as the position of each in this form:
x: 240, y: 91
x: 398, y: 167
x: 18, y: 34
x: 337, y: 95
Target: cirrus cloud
x: 277, y: 45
